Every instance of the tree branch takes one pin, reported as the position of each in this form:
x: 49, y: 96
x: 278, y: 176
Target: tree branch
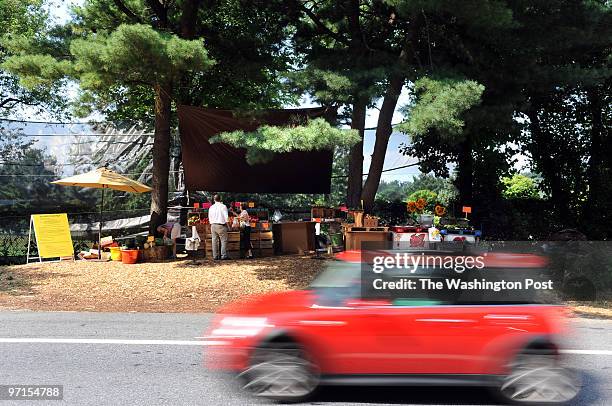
x: 4, y: 103
x: 125, y: 9
x: 160, y: 11
x: 321, y: 25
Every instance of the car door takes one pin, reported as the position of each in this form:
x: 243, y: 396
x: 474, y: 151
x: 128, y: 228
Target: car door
x: 426, y: 339
x: 341, y: 337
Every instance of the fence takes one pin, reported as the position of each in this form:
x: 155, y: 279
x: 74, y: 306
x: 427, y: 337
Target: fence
x: 14, y: 234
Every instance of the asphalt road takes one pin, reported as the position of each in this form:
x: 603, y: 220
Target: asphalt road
x: 151, y: 360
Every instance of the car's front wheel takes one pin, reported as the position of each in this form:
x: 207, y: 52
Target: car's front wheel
x: 537, y: 378
x: 280, y: 371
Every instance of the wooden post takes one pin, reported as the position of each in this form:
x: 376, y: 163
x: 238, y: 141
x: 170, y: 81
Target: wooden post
x: 29, y: 241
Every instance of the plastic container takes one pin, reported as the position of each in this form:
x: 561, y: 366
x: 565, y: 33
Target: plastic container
x: 129, y: 256
x: 426, y: 220
x: 115, y: 253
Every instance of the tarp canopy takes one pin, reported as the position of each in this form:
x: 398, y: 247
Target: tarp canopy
x: 222, y: 168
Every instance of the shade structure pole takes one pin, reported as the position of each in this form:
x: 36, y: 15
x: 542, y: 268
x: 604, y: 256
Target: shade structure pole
x: 100, y: 227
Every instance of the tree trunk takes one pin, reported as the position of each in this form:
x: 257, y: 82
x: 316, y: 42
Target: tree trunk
x: 547, y: 165
x: 189, y: 18
x: 465, y: 172
x: 355, y: 171
x: 597, y: 170
x: 161, y: 156
x: 383, y: 132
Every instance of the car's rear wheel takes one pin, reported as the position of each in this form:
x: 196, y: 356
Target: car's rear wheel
x: 280, y: 371
x: 537, y: 378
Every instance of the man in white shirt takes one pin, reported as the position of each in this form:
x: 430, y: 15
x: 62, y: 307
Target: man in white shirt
x: 217, y: 217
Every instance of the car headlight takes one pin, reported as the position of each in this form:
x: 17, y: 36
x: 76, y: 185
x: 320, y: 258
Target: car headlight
x: 240, y: 326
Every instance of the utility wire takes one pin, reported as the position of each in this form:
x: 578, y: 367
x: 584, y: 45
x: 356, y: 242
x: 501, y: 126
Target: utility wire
x: 12, y: 120
x: 18, y: 175
x: 85, y: 135
x: 384, y: 170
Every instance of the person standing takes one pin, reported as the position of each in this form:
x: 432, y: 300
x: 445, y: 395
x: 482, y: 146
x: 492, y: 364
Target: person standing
x: 218, y: 217
x: 245, y: 233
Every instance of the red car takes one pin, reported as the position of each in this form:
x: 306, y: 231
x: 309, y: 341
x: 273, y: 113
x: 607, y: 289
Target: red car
x: 282, y: 346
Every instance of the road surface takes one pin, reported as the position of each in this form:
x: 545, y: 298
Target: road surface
x: 154, y: 359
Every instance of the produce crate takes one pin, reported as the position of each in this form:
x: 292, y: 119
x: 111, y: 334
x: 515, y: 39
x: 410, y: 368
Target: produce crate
x: 261, y: 241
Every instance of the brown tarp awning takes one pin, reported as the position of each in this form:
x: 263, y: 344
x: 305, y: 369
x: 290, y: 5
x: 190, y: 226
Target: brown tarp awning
x: 222, y: 168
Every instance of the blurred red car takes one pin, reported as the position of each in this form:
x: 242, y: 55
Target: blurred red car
x: 283, y: 346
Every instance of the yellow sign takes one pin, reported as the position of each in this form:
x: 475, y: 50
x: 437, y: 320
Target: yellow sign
x: 53, y: 235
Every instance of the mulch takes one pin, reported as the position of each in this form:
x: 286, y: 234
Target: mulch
x: 178, y: 286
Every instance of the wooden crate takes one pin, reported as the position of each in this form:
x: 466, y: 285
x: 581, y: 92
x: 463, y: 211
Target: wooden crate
x: 262, y: 244
x: 351, y: 227
x: 232, y: 236
x: 203, y: 229
x: 263, y: 235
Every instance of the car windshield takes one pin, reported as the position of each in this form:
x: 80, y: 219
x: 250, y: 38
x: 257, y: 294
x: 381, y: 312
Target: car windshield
x: 342, y: 280
x: 338, y: 282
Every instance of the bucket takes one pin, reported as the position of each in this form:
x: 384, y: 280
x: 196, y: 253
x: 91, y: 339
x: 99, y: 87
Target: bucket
x: 115, y: 253
x: 129, y: 256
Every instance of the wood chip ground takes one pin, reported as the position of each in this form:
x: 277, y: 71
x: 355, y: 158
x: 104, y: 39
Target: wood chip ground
x: 178, y: 286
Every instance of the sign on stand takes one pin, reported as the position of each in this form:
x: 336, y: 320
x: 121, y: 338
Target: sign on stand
x: 52, y: 236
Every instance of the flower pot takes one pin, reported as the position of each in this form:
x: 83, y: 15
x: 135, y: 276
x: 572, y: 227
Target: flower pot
x: 115, y: 253
x: 129, y: 256
x: 426, y: 220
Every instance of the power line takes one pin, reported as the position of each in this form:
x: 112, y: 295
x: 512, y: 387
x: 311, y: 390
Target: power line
x: 12, y: 120
x: 85, y: 135
x: 384, y: 170
x: 80, y: 213
x: 19, y: 175
x: 374, y: 128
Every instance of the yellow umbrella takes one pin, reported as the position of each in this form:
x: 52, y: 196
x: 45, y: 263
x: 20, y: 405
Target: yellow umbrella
x: 103, y: 178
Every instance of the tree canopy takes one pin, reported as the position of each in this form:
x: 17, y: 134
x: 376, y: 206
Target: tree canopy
x: 27, y: 22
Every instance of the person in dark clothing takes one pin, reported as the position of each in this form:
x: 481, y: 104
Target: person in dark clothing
x: 246, y: 249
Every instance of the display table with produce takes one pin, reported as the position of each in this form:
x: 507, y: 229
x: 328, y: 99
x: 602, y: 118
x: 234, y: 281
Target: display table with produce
x: 261, y: 234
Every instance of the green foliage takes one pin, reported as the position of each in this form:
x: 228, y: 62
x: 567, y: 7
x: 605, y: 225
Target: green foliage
x: 519, y: 187
x: 132, y: 54
x: 37, y: 70
x: 25, y: 24
x: 267, y: 140
x: 431, y: 198
x: 440, y: 105
x: 394, y: 191
x: 485, y: 15
x: 135, y: 54
x: 397, y: 191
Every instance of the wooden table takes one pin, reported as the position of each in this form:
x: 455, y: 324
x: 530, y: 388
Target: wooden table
x: 353, y: 237
x: 294, y: 237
